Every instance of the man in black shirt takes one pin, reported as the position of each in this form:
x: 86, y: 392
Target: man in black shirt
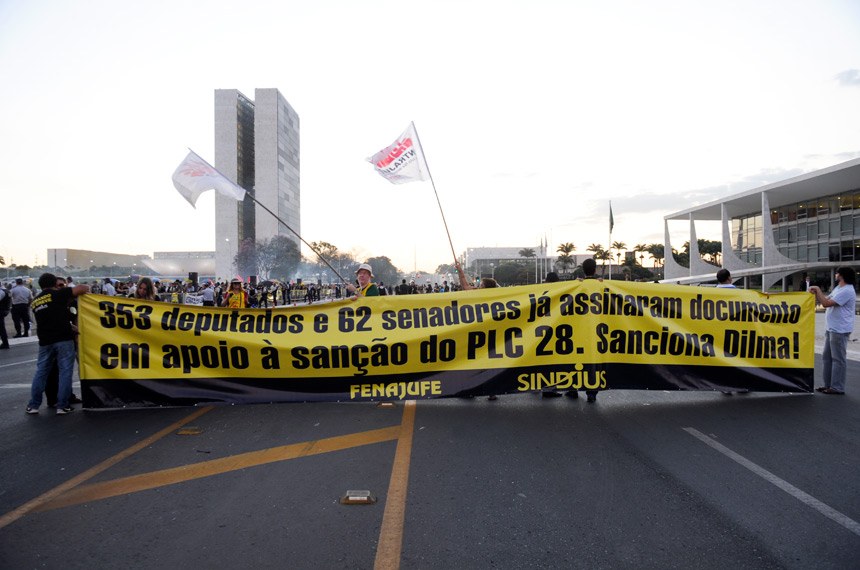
x: 56, y: 341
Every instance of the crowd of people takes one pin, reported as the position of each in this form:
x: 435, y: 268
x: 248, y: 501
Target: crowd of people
x: 56, y: 323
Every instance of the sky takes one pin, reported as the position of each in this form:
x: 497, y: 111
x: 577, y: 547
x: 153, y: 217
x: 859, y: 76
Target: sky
x: 533, y: 115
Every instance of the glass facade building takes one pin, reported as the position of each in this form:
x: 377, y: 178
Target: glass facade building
x: 776, y: 235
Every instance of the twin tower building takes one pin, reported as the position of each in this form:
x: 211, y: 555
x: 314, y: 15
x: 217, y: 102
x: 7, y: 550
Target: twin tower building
x: 257, y: 147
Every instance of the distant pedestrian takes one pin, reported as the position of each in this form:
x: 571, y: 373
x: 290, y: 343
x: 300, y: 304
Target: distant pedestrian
x: 108, y: 288
x: 839, y: 320
x: 21, y: 298
x: 208, y: 295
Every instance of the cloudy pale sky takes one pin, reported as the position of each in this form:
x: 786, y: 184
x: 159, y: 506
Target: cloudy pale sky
x: 532, y: 114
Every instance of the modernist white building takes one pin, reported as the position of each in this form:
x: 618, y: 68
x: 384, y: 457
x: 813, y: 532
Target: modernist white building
x: 257, y: 147
x: 806, y: 225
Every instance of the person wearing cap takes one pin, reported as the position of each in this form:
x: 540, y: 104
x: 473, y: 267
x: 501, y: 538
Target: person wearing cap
x: 366, y: 287
x: 236, y: 297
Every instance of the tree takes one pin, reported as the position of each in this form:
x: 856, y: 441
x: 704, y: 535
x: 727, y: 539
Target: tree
x: 656, y: 250
x: 512, y: 274
x: 2, y: 261
x: 383, y: 270
x: 619, y: 247
x: 527, y: 253
x: 711, y: 250
x: 278, y: 258
x: 599, y: 254
x: 246, y: 258
x: 682, y: 258
x: 641, y: 249
x: 446, y: 268
x: 565, y: 260
x: 343, y: 263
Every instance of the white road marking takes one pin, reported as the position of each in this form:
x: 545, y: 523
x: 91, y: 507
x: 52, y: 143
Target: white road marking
x: 802, y: 496
x: 18, y: 363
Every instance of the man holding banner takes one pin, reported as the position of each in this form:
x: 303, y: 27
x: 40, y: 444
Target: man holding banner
x: 56, y: 341
x: 839, y: 318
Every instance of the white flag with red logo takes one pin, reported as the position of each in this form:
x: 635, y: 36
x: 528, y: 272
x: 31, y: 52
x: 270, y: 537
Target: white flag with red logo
x: 195, y: 176
x: 402, y: 161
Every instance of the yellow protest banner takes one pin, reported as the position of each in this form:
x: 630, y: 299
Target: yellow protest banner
x: 481, y: 341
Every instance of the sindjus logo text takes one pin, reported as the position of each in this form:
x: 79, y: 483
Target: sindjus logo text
x: 576, y: 379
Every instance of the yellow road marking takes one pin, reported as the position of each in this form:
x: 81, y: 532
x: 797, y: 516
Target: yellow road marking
x: 391, y: 533
x: 39, y: 502
x: 135, y: 483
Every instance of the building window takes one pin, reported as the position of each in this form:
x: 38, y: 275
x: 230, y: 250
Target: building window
x: 847, y: 225
x: 801, y: 211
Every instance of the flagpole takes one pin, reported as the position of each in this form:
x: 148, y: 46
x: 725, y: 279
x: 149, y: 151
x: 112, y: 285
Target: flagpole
x: 323, y: 259
x: 251, y: 195
x: 609, y: 247
x: 430, y: 174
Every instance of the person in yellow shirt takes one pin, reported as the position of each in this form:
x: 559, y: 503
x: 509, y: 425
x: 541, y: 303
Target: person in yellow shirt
x: 236, y: 297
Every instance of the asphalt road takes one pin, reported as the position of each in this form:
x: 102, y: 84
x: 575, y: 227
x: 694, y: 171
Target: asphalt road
x: 637, y: 480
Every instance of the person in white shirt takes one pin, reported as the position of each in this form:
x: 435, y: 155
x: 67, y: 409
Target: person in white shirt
x: 108, y: 288
x: 208, y: 295
x: 839, y: 318
x: 21, y: 298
